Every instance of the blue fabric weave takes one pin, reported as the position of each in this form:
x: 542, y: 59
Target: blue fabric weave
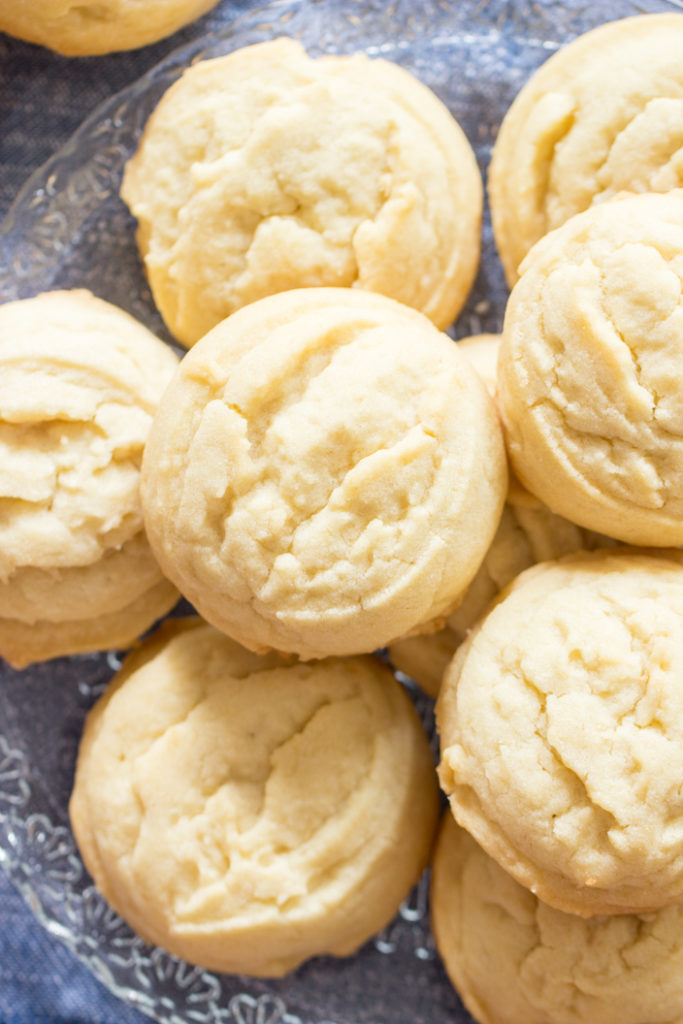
x: 41, y: 982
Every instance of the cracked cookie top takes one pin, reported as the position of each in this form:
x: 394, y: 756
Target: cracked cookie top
x: 549, y: 966
x: 266, y: 170
x: 80, y: 384
x: 602, y: 116
x: 245, y: 814
x: 590, y: 367
x: 325, y: 473
x: 561, y: 721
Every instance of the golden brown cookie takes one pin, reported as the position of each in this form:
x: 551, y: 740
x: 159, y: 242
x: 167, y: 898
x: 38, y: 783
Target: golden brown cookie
x: 561, y: 721
x: 79, y: 386
x: 102, y: 26
x: 245, y: 814
x: 325, y: 473
x: 266, y: 170
x: 515, y: 960
x: 590, y: 366
x: 602, y: 116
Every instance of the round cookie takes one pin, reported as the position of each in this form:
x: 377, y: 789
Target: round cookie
x: 590, y: 366
x: 84, y: 29
x: 515, y: 960
x: 246, y: 815
x: 325, y: 473
x: 266, y: 170
x: 79, y: 386
x: 524, y: 537
x: 561, y: 721
x: 602, y: 116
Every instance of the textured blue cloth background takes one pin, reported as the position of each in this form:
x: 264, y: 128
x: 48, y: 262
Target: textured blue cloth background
x: 43, y: 99
x: 41, y: 982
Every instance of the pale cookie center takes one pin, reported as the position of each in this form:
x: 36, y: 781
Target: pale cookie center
x: 270, y: 215
x: 326, y: 484
x: 269, y: 815
x: 69, y: 487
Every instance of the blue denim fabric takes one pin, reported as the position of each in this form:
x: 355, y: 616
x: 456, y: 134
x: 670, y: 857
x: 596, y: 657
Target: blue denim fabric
x: 41, y: 982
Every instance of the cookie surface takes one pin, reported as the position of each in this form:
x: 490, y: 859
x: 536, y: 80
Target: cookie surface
x: 602, y: 116
x: 245, y: 814
x: 325, y: 473
x: 515, y: 960
x: 80, y: 384
x: 525, y: 536
x: 590, y: 365
x: 266, y: 170
x: 528, y: 533
x: 79, y: 30
x: 561, y: 732
x: 482, y: 352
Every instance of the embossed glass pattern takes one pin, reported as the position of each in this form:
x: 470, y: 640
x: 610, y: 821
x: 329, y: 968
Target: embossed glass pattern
x: 68, y: 228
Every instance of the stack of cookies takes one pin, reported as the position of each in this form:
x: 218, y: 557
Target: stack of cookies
x: 560, y: 715
x: 325, y: 473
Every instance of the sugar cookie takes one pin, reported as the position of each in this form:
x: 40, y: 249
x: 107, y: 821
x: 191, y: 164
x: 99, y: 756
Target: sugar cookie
x: 561, y: 721
x: 602, y: 116
x: 266, y: 170
x: 80, y: 383
x: 325, y: 473
x: 104, y: 26
x: 515, y: 960
x: 590, y: 367
x: 246, y: 815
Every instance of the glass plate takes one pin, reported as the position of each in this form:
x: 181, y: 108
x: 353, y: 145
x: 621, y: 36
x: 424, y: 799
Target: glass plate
x: 68, y: 228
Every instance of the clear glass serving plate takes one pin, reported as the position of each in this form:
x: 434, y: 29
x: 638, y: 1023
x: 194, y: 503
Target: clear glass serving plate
x: 68, y: 228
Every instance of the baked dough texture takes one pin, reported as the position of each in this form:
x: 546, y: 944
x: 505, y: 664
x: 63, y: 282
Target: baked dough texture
x: 602, y: 116
x: 525, y: 536
x: 528, y: 533
x: 590, y: 367
x: 515, y: 960
x: 325, y: 473
x: 482, y: 352
x: 561, y: 721
x: 266, y: 170
x: 78, y: 29
x: 79, y: 384
x: 245, y: 814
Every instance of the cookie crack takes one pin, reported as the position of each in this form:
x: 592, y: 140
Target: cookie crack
x: 607, y: 190
x: 616, y: 131
x: 337, y: 486
x: 307, y: 214
x: 607, y: 818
